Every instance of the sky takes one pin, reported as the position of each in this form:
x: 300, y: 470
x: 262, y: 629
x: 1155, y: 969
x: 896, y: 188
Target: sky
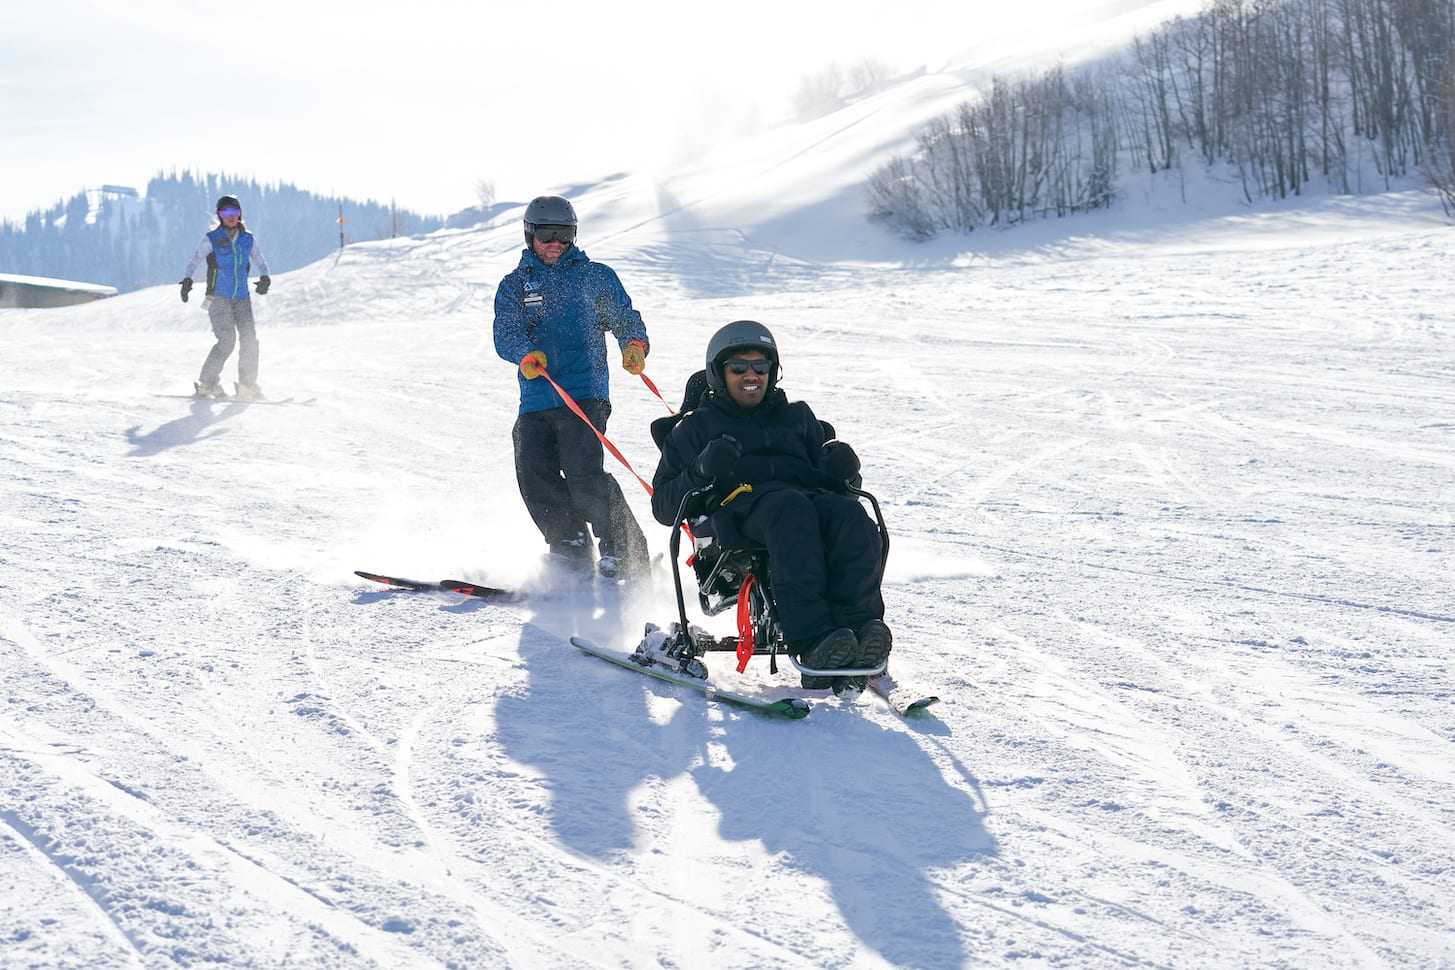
x: 418, y: 103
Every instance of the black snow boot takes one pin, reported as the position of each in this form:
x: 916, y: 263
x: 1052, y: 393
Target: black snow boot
x: 875, y: 642
x: 832, y: 651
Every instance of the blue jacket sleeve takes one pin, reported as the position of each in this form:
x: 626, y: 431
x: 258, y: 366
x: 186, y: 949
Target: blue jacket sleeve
x: 511, y: 342
x: 614, y: 308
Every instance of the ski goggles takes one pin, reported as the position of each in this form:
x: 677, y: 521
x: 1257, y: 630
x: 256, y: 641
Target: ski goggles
x: 231, y: 210
x: 550, y: 234
x: 737, y: 366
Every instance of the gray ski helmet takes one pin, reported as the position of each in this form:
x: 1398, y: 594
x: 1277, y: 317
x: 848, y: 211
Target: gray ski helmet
x: 547, y: 210
x: 740, y: 335
x: 228, y: 200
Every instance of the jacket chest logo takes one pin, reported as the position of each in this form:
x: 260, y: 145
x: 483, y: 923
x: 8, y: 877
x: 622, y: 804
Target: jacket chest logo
x: 533, y: 295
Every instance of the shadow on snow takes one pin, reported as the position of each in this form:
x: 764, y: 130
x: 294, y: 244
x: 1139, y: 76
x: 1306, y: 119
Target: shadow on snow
x: 840, y: 798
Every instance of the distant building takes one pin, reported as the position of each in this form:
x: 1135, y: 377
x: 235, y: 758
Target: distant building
x: 38, y: 291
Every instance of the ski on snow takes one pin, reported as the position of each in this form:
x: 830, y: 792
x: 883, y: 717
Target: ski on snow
x: 789, y: 707
x: 447, y: 585
x: 905, y: 699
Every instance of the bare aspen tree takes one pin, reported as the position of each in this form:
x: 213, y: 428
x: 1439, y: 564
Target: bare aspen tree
x: 1291, y: 95
x: 894, y: 198
x: 485, y: 193
x: 1440, y: 163
x: 818, y: 91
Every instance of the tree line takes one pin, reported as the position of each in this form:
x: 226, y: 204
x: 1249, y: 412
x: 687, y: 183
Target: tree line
x: 1289, y: 95
x: 130, y: 241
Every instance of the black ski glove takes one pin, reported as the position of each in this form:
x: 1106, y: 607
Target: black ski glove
x: 840, y: 463
x: 717, y: 458
x: 186, y: 287
x: 263, y: 284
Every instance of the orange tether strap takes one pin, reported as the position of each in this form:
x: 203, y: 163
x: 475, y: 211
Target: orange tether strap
x: 582, y: 415
x: 609, y: 446
x: 653, y: 388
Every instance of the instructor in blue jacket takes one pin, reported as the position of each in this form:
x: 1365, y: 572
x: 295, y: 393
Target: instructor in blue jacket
x: 552, y: 313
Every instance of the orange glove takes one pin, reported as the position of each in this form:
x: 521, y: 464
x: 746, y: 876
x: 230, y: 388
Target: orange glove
x: 634, y: 357
x: 532, y: 364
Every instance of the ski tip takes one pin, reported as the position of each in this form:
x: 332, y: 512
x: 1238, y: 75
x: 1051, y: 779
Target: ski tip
x: 395, y: 582
x: 919, y: 707
x: 791, y: 707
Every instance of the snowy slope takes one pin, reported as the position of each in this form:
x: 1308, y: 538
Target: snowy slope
x: 1170, y: 498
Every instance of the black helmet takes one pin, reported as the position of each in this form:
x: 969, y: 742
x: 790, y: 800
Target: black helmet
x: 740, y: 335
x: 548, y: 210
x: 228, y: 200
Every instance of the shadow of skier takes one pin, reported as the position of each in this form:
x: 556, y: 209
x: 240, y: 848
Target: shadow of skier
x: 182, y: 431
x: 862, y: 808
x: 866, y: 810
x: 587, y: 726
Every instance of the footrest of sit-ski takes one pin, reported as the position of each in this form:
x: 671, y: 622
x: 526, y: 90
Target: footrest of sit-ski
x: 844, y: 672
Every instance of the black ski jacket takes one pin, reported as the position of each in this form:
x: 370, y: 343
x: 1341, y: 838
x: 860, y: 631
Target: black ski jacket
x: 782, y: 447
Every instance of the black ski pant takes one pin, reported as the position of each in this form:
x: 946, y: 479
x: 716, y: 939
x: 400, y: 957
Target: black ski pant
x: 823, y: 560
x: 558, y: 465
x: 232, y: 321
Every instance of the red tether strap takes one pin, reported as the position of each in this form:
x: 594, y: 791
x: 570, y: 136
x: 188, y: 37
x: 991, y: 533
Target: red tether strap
x: 582, y: 415
x: 653, y: 388
x: 745, y: 623
x: 609, y: 446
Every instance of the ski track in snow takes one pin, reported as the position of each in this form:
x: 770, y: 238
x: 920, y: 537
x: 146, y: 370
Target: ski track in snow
x: 1172, y: 540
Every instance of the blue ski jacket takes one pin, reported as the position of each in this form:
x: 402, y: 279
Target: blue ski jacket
x: 565, y: 311
x: 231, y: 258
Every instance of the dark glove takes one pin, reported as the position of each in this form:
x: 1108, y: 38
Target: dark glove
x: 840, y: 462
x: 717, y: 458
x: 262, y: 285
x: 186, y: 287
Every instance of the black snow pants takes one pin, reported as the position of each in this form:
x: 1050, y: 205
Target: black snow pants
x: 823, y: 559
x: 558, y: 465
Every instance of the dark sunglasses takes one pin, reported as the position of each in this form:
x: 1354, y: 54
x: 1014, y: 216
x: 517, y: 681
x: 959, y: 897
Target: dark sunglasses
x: 231, y: 210
x: 759, y: 367
x: 549, y: 234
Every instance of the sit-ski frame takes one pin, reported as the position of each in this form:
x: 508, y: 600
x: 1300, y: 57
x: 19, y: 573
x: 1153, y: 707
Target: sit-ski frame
x: 686, y: 643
